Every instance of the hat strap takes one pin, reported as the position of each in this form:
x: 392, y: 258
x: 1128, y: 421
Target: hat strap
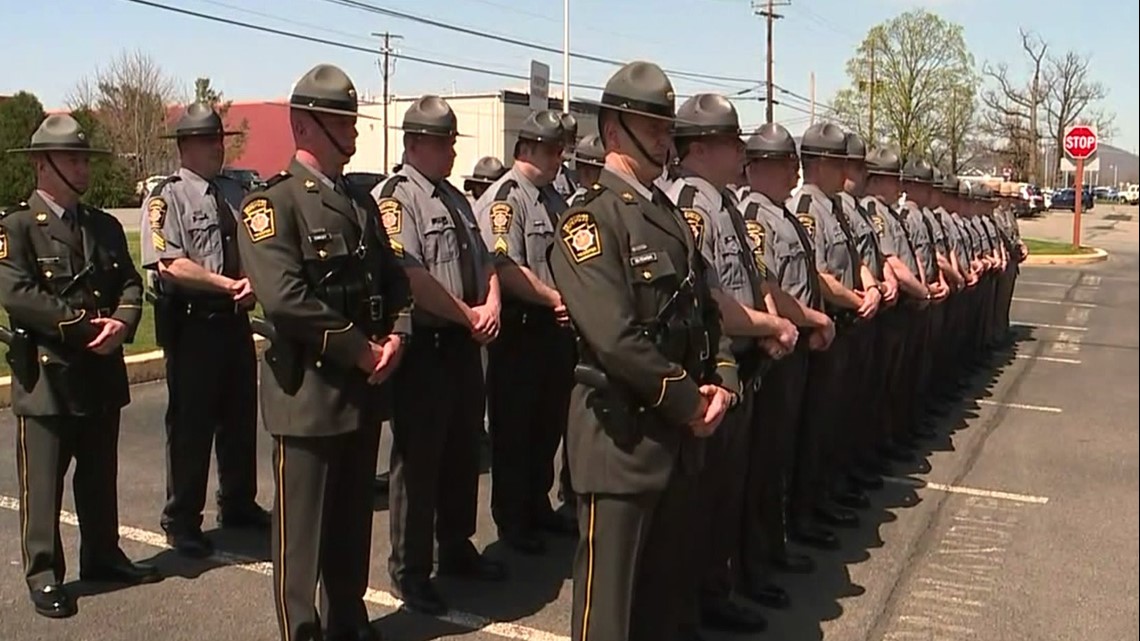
x: 636, y: 142
x: 329, y: 135
x: 59, y: 173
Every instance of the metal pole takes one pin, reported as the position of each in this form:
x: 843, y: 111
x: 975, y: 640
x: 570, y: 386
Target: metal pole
x: 1078, y: 202
x: 385, y: 121
x: 871, y: 99
x: 768, y: 88
x: 565, y: 56
x: 813, y: 97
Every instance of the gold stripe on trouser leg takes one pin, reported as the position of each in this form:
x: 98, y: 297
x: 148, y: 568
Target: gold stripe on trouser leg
x: 288, y: 632
x: 23, y: 465
x: 589, y: 571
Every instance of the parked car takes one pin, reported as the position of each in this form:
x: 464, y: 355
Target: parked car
x: 1066, y: 199
x: 1033, y: 200
x: 364, y: 179
x: 249, y: 179
x: 1108, y: 194
x: 1130, y: 196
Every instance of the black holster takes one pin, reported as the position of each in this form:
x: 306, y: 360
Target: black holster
x: 283, y: 358
x: 22, y: 360
x: 167, y: 321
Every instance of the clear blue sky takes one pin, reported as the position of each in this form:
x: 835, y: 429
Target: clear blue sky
x: 50, y: 44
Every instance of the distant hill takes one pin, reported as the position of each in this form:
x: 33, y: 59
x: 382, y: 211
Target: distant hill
x: 1125, y: 165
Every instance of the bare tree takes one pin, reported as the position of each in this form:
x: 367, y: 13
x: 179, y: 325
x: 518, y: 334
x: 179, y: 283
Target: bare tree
x: 1012, y: 107
x: 204, y: 92
x: 130, y: 97
x: 1070, y: 98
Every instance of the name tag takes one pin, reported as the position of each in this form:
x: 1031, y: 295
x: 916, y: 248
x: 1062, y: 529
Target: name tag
x: 643, y: 259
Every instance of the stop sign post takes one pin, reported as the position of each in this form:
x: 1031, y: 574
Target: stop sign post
x: 1080, y: 144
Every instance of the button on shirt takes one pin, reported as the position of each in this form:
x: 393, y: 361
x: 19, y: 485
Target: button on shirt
x: 193, y: 218
x: 517, y: 222
x: 431, y: 225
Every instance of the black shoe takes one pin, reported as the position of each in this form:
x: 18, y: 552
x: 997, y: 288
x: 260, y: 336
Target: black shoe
x: 792, y: 563
x: 469, y: 564
x: 923, y: 433
x: 854, y: 499
x: 727, y: 616
x: 768, y: 595
x: 523, y: 541
x: 252, y: 517
x: 190, y: 543
x: 814, y: 536
x: 122, y: 571
x: 836, y: 516
x: 897, y: 452
x: 54, y: 602
x: 420, y: 595
x: 363, y: 633
x: 380, y: 483
x: 556, y: 523
x: 866, y: 479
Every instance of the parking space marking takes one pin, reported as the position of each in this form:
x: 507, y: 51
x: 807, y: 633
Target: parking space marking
x: 1042, y: 301
x: 380, y: 598
x: 1048, y: 359
x: 1070, y: 328
x: 970, y: 491
x: 1042, y: 283
x: 1022, y: 406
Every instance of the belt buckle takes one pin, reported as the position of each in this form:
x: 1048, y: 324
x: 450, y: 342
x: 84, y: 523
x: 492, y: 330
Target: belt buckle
x: 376, y: 308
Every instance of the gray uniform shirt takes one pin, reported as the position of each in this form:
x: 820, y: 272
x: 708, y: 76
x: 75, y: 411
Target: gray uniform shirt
x: 866, y: 237
x: 920, y: 239
x: 182, y: 220
x: 937, y: 234
x: 785, y: 245
x: 835, y: 251
x: 980, y: 236
x: 967, y: 248
x: 991, y: 231
x: 893, y: 239
x: 517, y: 222
x: 430, y: 225
x: 565, y: 183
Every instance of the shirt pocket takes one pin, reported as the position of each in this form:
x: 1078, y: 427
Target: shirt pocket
x: 654, y: 279
x: 539, y: 236
x: 203, y: 235
x: 441, y: 242
x: 730, y: 262
x: 55, y: 271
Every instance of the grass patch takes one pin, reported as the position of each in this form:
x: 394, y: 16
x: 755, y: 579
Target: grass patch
x: 1053, y: 247
x: 144, y: 337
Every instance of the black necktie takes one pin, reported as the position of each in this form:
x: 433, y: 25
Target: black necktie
x: 227, y: 225
x: 71, y: 219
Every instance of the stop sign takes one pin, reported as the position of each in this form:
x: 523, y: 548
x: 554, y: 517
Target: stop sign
x: 1080, y: 142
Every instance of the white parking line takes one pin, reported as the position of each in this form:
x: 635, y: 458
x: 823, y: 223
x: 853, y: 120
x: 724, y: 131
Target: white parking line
x: 957, y: 489
x: 1041, y: 283
x: 1042, y: 301
x: 1023, y: 406
x: 1049, y: 359
x: 376, y: 597
x: 1071, y: 328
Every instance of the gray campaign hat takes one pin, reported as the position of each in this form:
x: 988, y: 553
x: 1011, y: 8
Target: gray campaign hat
x: 432, y: 116
x: 918, y: 171
x: 589, y: 151
x: 59, y: 132
x: 543, y: 126
x: 642, y: 88
x: 487, y: 170
x: 326, y: 89
x: 949, y: 184
x: 824, y: 139
x: 856, y: 147
x: 570, y: 126
x: 884, y: 162
x: 199, y: 119
x: 771, y: 140
x: 936, y: 177
x: 706, y: 114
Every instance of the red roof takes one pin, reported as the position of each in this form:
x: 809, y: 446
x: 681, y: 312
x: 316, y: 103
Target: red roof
x: 268, y: 145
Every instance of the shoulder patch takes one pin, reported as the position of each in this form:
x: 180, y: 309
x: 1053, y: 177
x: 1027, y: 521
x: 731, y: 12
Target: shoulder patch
x: 391, y: 215
x: 260, y: 219
x: 156, y: 212
x: 580, y: 234
x: 501, y: 214
x: 696, y: 223
x: 809, y: 224
x: 3, y: 243
x: 755, y: 234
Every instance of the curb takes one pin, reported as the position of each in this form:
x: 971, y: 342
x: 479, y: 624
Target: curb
x: 1097, y: 256
x: 144, y: 367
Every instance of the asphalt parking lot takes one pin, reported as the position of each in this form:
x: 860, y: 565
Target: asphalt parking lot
x: 1019, y: 523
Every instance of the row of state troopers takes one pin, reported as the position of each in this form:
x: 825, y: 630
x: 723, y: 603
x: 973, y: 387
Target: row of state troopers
x: 728, y: 362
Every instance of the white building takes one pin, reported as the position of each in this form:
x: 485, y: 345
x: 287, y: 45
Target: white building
x: 488, y: 126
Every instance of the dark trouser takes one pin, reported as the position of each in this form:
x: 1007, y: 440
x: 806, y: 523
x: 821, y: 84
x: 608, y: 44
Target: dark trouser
x: 861, y: 406
x: 913, y: 362
x: 930, y: 365
x: 211, y: 380
x: 45, y: 447
x: 628, y: 569
x: 1009, y: 278
x: 530, y: 371
x: 439, y: 409
x: 894, y: 330
x: 322, y: 529
x: 823, y: 423
x: 775, y: 423
x: 718, y: 501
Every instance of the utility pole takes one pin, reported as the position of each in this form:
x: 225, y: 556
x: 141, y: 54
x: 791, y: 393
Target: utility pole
x: 565, y: 56
x: 871, y: 98
x: 385, y: 73
x: 812, y: 95
x: 770, y: 16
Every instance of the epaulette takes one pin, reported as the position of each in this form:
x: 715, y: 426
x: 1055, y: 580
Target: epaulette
x: 390, y: 186
x: 750, y: 210
x: 163, y: 183
x: 687, y: 196
x: 592, y: 192
x: 23, y: 206
x: 505, y: 189
x: 284, y: 175
x: 804, y: 206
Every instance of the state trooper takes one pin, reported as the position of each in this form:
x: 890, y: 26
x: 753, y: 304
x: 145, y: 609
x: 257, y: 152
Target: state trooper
x: 73, y: 299
x: 201, y: 302
x: 957, y: 305
x: 655, y: 374
x: 338, y: 308
x: 440, y: 397
x: 771, y: 171
x: 866, y: 361
x: 710, y: 153
x: 530, y: 367
x: 567, y: 181
x: 944, y: 385
x: 917, y: 180
x: 882, y: 194
x: 487, y: 170
x: 1005, y: 216
x: 1000, y: 262
x: 589, y: 158
x: 823, y: 152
